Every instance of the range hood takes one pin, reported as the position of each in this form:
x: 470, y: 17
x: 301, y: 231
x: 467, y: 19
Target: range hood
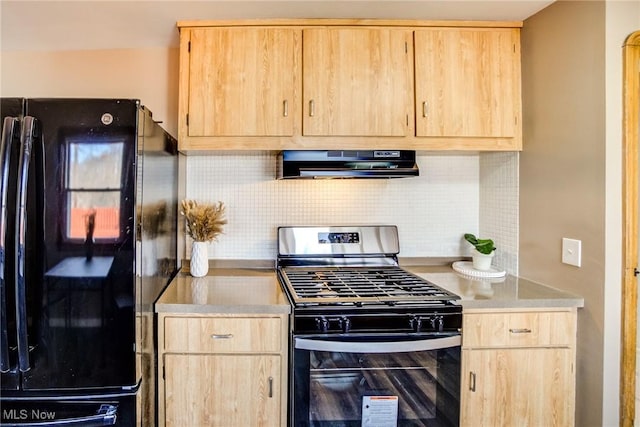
x: 297, y: 164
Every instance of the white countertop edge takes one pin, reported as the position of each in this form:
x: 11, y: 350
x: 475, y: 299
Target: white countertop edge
x: 224, y: 309
x: 515, y: 304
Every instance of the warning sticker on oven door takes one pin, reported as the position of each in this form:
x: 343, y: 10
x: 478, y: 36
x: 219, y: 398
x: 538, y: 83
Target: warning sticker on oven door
x: 379, y: 411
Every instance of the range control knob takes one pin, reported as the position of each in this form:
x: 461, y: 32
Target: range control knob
x: 415, y: 323
x: 437, y: 323
x: 322, y: 323
x: 346, y: 324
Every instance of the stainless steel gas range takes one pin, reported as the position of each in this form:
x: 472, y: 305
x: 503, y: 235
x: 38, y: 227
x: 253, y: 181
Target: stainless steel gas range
x: 371, y: 343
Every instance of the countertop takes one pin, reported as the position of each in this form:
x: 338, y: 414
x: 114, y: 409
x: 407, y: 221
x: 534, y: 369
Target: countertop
x: 256, y: 290
x: 225, y: 290
x: 504, y: 292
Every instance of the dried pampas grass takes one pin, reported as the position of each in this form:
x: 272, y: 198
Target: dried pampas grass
x: 204, y: 222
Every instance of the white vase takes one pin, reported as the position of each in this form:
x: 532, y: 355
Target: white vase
x: 199, y: 264
x: 482, y: 261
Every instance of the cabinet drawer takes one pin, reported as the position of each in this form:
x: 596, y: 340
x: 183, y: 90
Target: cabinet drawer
x: 519, y: 329
x: 222, y: 335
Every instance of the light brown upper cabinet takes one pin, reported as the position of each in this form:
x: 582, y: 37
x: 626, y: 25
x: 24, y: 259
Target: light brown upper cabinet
x: 349, y: 84
x: 240, y: 82
x: 357, y: 82
x: 468, y: 85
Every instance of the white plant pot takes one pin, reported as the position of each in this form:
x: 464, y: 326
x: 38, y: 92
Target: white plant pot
x: 199, y: 263
x: 482, y: 261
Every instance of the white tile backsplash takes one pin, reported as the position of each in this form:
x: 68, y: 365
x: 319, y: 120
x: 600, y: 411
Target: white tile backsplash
x: 499, y: 204
x: 432, y: 211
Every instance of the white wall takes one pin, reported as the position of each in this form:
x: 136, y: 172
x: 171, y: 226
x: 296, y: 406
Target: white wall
x: 150, y: 75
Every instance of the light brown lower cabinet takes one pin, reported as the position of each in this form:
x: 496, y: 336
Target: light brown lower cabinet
x: 222, y: 370
x: 518, y: 368
x: 229, y: 390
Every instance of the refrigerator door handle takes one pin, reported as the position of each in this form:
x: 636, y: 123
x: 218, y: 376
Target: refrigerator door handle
x: 107, y: 416
x: 26, y: 144
x: 10, y: 126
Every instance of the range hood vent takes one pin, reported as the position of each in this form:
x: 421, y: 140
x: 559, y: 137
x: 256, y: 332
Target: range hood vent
x: 301, y: 164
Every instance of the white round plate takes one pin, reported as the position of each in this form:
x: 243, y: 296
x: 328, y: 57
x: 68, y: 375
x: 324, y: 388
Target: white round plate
x: 466, y: 267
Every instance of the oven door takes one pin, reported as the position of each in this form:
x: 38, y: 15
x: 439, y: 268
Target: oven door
x: 382, y: 381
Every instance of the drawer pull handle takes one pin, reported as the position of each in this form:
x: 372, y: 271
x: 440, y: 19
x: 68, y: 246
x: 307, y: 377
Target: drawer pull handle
x: 425, y: 109
x: 285, y: 108
x: 270, y: 386
x: 221, y: 336
x: 520, y: 331
x: 472, y: 381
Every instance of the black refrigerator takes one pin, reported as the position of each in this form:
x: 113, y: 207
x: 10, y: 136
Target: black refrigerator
x: 88, y: 223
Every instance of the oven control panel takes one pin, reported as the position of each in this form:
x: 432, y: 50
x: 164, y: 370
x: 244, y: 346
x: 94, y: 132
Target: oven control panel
x: 446, y: 319
x: 325, y: 237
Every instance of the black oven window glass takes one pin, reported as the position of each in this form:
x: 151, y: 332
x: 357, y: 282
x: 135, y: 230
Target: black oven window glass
x: 93, y: 189
x: 357, y: 389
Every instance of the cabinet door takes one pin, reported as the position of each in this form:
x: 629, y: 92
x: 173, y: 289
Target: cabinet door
x: 467, y: 82
x: 222, y: 390
x: 517, y: 387
x: 241, y: 82
x: 357, y: 82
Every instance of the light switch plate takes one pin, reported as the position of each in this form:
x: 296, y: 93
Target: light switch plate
x: 571, y: 251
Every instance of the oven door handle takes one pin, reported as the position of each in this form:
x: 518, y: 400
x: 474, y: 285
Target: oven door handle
x: 392, y: 346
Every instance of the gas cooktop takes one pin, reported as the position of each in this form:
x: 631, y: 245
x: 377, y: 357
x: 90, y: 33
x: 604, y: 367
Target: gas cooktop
x: 359, y: 285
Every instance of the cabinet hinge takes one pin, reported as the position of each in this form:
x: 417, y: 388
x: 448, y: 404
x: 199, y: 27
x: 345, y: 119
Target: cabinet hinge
x: 635, y: 271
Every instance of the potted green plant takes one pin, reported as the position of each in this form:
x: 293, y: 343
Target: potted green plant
x: 484, y: 249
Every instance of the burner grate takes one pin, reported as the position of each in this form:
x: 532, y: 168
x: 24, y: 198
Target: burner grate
x: 360, y: 284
